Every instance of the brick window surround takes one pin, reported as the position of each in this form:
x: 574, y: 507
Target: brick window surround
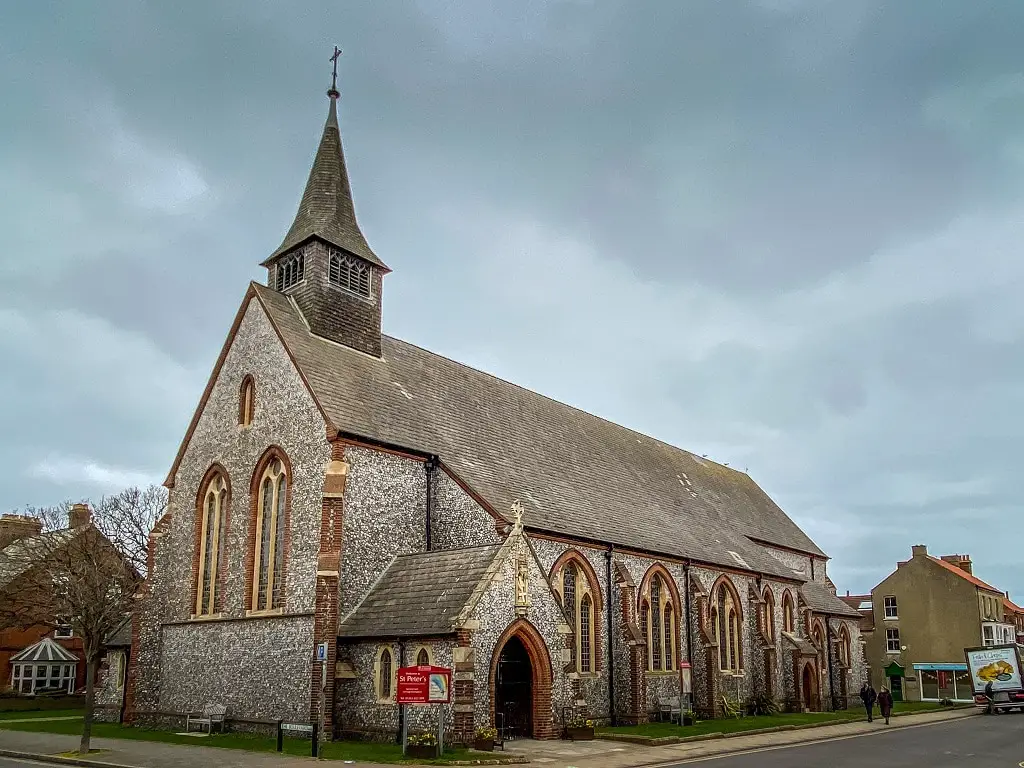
x: 540, y: 667
x: 597, y: 606
x: 670, y: 599
x: 272, y: 453
x: 215, y: 471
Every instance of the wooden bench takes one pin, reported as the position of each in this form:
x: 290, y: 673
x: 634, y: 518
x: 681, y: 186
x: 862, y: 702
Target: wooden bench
x: 212, y: 714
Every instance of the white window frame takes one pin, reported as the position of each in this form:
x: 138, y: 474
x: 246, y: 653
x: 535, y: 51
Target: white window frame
x: 892, y: 635
x: 895, y: 614
x: 988, y: 634
x: 63, y: 631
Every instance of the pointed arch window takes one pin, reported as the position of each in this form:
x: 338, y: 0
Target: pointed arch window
x: 579, y: 593
x: 211, y: 515
x: 585, y: 618
x: 423, y: 657
x: 269, y: 544
x: 384, y: 675
x: 246, y: 401
x: 659, y: 623
x: 768, y: 615
x: 787, y: 613
x: 290, y: 270
x: 727, y: 626
x: 351, y: 273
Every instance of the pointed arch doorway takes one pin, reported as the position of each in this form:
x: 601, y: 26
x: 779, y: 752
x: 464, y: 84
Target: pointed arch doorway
x: 809, y: 688
x: 520, y: 683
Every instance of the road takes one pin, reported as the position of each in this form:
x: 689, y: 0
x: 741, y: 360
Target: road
x: 972, y: 742
x: 10, y: 762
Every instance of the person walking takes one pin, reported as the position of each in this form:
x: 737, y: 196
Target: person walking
x: 868, y: 696
x: 885, y: 703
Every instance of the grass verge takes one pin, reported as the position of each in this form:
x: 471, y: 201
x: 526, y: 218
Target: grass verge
x: 31, y: 714
x: 358, y: 751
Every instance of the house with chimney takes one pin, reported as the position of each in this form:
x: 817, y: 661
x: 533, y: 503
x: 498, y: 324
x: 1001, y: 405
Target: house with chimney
x: 45, y: 656
x: 922, y: 616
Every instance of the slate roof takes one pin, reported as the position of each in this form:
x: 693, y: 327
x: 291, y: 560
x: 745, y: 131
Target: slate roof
x: 867, y: 616
x: 420, y: 594
x: 965, y: 575
x: 121, y: 637
x: 18, y: 556
x: 821, y: 600
x: 575, y: 474
x: 326, y: 209
x: 805, y: 646
x: 45, y: 650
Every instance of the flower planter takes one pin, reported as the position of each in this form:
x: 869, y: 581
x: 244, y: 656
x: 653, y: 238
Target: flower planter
x: 581, y: 734
x: 687, y: 719
x: 483, y: 745
x: 422, y: 752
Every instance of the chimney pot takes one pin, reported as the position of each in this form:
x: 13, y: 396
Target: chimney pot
x: 79, y: 515
x: 919, y: 550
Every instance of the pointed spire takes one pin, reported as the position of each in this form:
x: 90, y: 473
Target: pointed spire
x: 326, y: 210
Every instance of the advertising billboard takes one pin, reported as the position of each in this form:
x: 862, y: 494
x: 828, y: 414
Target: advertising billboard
x: 996, y: 664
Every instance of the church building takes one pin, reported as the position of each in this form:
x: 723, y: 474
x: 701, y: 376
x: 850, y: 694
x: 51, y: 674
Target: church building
x: 339, y: 486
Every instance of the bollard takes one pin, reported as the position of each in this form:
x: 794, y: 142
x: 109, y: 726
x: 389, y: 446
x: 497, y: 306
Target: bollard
x: 315, y: 746
x: 280, y: 737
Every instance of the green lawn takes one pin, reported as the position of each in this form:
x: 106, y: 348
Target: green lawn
x: 359, y: 751
x: 730, y: 725
x: 21, y: 714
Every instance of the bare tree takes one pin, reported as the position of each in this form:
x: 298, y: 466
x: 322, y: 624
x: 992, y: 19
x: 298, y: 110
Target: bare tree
x: 126, y: 518
x: 83, y: 571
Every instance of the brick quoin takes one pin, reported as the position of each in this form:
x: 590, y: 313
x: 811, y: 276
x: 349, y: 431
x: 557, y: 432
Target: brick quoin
x: 540, y: 666
x: 326, y: 610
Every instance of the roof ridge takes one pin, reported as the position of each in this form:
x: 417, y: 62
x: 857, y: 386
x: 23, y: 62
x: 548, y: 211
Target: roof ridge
x: 965, y: 575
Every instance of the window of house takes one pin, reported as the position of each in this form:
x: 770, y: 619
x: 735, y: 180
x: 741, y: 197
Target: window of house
x: 658, y: 624
x: 987, y: 636
x: 29, y: 678
x: 892, y: 640
x: 579, y: 594
x: 384, y: 675
x: 889, y: 605
x: 290, y: 270
x: 63, y: 629
x: 268, y: 560
x: 727, y: 630
x: 246, y: 401
x: 351, y: 273
x: 212, y: 514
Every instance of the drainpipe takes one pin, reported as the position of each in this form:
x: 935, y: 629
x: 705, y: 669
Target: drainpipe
x: 401, y: 707
x: 611, y: 651
x: 429, y: 466
x: 686, y: 608
x: 831, y: 676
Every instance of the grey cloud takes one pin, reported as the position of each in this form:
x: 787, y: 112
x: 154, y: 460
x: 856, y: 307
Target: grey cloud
x: 783, y: 233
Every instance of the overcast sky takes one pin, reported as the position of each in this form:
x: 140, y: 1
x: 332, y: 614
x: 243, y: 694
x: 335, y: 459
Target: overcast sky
x: 785, y: 234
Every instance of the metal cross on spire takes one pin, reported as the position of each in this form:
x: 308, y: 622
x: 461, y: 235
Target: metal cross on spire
x: 334, y: 73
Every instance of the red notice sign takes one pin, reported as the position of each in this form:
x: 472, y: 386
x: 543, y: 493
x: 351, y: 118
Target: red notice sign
x: 424, y: 685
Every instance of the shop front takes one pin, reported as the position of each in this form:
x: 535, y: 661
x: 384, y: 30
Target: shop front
x: 939, y: 681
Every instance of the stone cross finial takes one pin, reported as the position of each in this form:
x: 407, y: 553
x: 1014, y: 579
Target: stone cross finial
x: 517, y: 515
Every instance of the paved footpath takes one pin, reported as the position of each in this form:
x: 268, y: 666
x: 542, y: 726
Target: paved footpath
x: 550, y: 754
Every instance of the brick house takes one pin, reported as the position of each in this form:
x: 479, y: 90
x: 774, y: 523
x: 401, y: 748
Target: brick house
x: 924, y: 614
x: 16, y: 533
x: 340, y: 486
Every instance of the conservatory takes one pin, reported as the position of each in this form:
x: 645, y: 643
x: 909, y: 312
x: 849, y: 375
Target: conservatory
x: 44, y: 666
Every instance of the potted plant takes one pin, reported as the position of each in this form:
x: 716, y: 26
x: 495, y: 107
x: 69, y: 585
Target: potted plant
x: 422, y: 746
x: 483, y: 739
x: 687, y: 718
x: 581, y: 730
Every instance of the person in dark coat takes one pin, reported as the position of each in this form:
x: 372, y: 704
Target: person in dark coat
x: 868, y: 696
x: 885, y: 703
